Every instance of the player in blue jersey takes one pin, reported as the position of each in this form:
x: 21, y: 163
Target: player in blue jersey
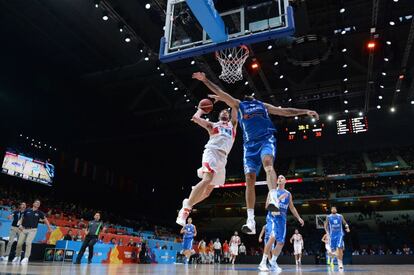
x: 276, y: 224
x: 259, y: 142
x: 333, y: 225
x: 189, y: 231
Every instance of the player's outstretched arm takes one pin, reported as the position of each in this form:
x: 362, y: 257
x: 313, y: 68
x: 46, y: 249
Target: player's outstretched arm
x: 195, y: 231
x: 182, y: 231
x: 225, y: 97
x: 291, y: 239
x: 289, y: 112
x: 346, y: 225
x: 295, y: 212
x: 324, y: 238
x: 201, y: 121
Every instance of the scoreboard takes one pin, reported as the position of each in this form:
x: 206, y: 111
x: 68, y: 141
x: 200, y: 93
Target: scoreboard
x: 305, y: 131
x: 353, y: 125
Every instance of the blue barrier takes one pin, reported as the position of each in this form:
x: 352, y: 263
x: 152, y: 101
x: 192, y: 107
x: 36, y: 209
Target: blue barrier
x: 100, y: 250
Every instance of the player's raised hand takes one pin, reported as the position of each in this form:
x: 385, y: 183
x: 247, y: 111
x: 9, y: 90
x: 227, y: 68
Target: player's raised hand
x: 302, y: 223
x: 199, y: 76
x: 260, y: 240
x: 215, y: 97
x: 347, y: 229
x: 313, y: 114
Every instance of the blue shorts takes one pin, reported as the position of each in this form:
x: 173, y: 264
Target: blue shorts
x: 337, y: 241
x: 276, y: 226
x: 254, y: 151
x: 187, y: 243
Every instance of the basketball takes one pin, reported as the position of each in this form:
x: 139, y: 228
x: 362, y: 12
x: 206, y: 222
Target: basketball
x: 206, y: 105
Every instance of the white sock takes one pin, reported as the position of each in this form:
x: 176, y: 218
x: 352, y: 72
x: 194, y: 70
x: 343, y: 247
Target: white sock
x: 274, y: 258
x: 185, y: 204
x: 340, y: 262
x: 250, y: 213
x: 264, y: 259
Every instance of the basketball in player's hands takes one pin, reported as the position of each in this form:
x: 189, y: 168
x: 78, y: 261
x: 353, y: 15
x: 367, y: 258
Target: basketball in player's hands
x: 206, y: 105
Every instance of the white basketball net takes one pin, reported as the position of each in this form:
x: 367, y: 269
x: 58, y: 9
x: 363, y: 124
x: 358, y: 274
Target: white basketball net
x: 231, y: 61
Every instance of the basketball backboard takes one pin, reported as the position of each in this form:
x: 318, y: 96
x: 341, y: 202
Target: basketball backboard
x: 195, y: 27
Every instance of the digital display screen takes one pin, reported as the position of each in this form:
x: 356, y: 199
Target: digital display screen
x: 354, y: 125
x: 304, y: 131
x: 28, y: 168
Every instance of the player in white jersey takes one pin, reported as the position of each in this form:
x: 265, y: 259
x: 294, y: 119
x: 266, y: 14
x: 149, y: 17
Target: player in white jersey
x: 213, y: 170
x: 234, y: 246
x: 297, y: 241
x: 327, y: 241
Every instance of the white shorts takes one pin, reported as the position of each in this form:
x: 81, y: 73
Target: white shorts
x: 214, y: 161
x: 328, y: 248
x: 234, y: 250
x: 297, y: 248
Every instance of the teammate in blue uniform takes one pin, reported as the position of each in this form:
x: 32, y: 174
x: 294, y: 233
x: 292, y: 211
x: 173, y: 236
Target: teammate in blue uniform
x: 259, y: 142
x: 276, y: 224
x: 189, y: 231
x: 333, y: 225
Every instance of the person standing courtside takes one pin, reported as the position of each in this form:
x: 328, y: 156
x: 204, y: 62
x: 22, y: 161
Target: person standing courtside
x: 14, y: 229
x: 94, y: 228
x: 28, y: 228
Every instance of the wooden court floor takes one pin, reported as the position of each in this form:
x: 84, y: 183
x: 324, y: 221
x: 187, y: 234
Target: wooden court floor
x: 98, y: 269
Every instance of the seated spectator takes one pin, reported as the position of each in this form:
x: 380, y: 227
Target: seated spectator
x: 389, y: 252
x: 407, y: 250
x: 242, y: 249
x: 355, y: 253
x: 81, y: 224
x: 131, y: 242
x: 398, y: 252
x: 101, y: 240
x: 68, y: 236
x: 364, y: 251
x: 78, y: 236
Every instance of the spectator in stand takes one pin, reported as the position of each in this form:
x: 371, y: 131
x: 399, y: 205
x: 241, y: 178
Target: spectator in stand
x: 81, y: 224
x: 68, y: 236
x: 217, y: 251
x: 120, y: 242
x: 372, y: 252
x: 101, y: 240
x: 28, y: 228
x: 14, y: 229
x: 210, y: 258
x: 381, y: 252
x: 131, y: 243
x: 355, y: 253
x: 226, y: 252
x: 202, y: 250
x: 113, y: 241
x: 364, y: 252
x: 389, y: 252
x: 242, y: 249
x: 407, y: 250
x: 78, y: 236
x: 398, y: 252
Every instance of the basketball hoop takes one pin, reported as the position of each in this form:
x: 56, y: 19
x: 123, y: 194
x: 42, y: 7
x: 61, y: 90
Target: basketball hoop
x: 232, y: 61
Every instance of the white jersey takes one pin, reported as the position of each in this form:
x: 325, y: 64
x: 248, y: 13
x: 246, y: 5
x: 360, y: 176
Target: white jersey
x: 235, y: 240
x: 297, y: 239
x: 222, y: 136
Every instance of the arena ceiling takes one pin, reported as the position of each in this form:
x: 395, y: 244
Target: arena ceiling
x: 70, y: 67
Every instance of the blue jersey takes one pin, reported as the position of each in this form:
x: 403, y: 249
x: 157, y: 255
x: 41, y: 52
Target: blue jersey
x: 189, y: 231
x: 284, y: 202
x: 255, y: 121
x: 335, y: 225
